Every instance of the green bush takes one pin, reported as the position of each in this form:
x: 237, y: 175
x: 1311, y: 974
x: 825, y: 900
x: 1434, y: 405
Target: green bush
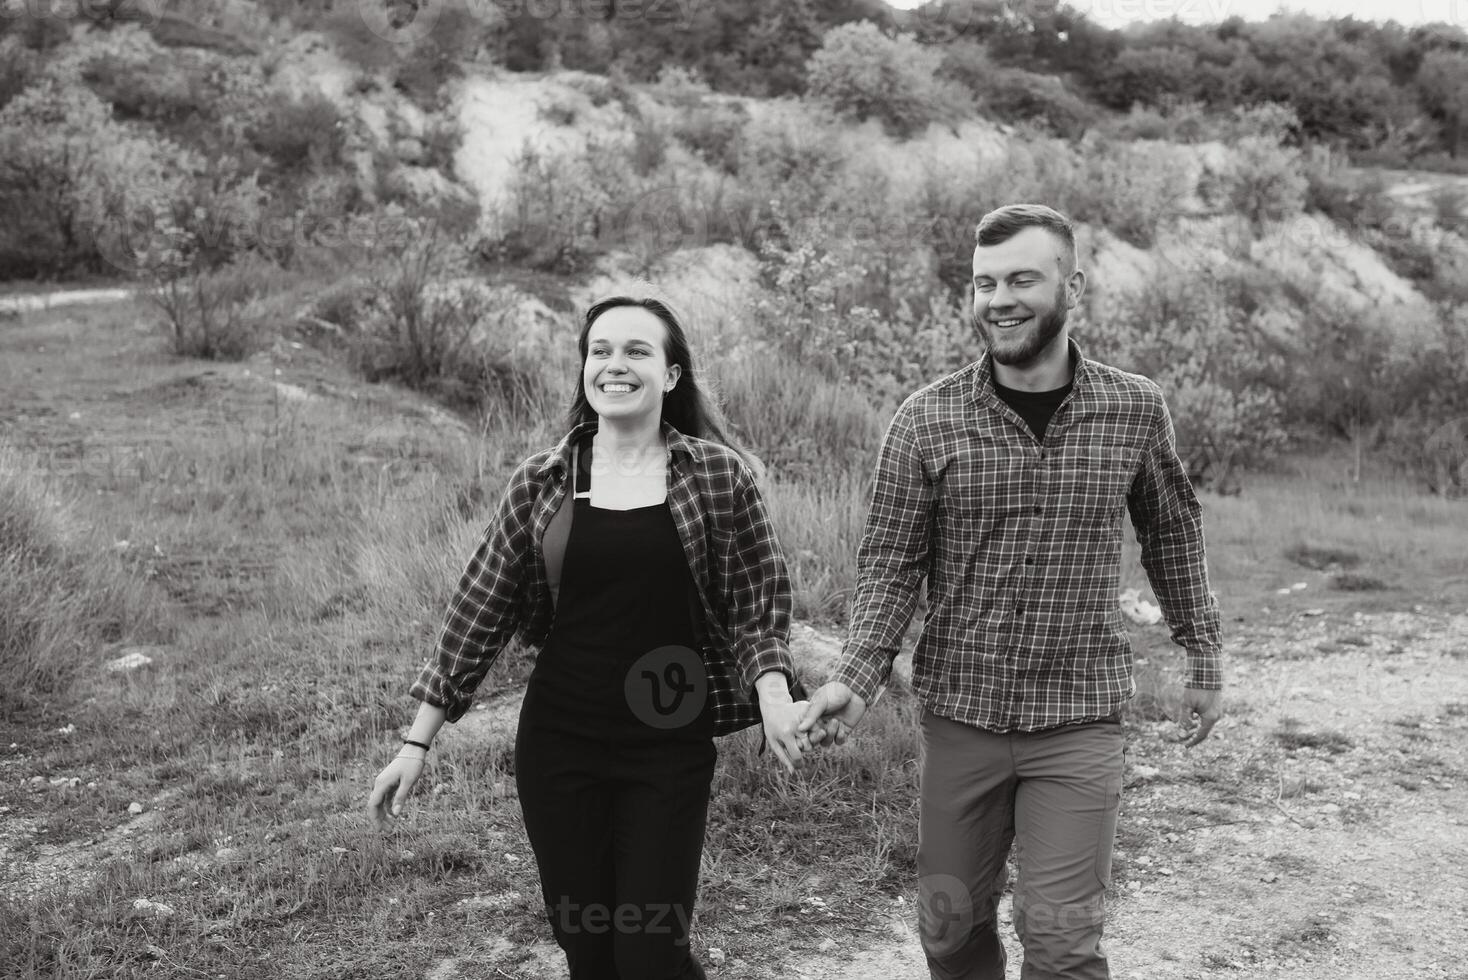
x: 1345, y: 381
x: 789, y: 159
x: 225, y: 313
x: 1134, y: 189
x: 1263, y: 180
x: 1173, y: 120
x: 18, y: 67
x: 856, y: 313
x: 1440, y: 375
x: 1353, y: 200
x: 439, y: 57
x: 357, y: 44
x: 299, y: 133
x: 862, y: 73
x: 649, y: 147
x: 425, y: 321
x: 1349, y: 379
x: 69, y: 174
x: 143, y: 80
x: 1015, y: 95
x: 558, y: 207
x: 1408, y: 253
x: 713, y: 130
x: 1185, y: 330
x: 1450, y: 208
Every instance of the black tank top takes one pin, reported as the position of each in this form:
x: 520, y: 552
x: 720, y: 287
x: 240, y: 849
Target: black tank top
x: 624, y: 592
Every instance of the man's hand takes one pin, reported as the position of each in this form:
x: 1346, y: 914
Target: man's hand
x: 833, y: 712
x: 1201, y: 711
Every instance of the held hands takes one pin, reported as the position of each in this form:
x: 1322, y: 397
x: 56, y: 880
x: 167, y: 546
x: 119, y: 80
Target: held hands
x: 833, y: 712
x: 794, y: 728
x: 392, y: 787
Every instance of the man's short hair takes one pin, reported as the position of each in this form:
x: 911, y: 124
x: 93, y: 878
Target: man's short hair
x: 1002, y: 224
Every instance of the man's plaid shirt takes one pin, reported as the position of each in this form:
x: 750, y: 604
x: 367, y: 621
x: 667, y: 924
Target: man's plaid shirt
x: 736, y: 561
x: 1020, y: 542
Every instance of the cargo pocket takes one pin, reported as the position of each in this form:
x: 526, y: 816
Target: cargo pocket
x: 1106, y: 839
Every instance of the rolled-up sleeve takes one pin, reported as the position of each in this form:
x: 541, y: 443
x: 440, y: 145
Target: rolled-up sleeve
x: 1169, y: 522
x: 760, y: 590
x: 486, y: 606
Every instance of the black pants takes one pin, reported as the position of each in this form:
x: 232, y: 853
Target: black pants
x: 617, y: 829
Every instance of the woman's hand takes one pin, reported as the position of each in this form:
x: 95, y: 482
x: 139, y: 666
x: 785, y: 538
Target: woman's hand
x: 396, y: 781
x: 782, y: 732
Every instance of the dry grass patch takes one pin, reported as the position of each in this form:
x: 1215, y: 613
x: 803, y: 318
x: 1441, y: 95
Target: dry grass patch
x: 65, y: 593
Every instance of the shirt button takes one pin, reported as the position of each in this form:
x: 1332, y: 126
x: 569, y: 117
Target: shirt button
x: 1037, y: 510
x: 1019, y: 609
x: 1029, y: 559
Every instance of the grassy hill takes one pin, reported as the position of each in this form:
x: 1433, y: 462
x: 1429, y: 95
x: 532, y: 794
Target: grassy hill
x: 358, y: 267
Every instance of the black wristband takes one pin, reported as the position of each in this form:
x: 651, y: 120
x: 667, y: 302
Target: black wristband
x: 409, y: 741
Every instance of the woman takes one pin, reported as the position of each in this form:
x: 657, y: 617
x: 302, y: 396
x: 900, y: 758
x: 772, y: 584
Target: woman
x: 637, y: 556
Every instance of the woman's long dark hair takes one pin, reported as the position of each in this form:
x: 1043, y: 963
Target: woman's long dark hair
x: 690, y: 407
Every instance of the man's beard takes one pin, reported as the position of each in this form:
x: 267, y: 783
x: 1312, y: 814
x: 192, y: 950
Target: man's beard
x: 1036, y: 339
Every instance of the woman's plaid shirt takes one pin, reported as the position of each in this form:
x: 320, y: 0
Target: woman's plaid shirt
x: 1020, y: 542
x: 730, y: 544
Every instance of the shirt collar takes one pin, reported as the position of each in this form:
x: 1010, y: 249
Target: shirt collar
x: 983, y: 378
x: 560, y: 456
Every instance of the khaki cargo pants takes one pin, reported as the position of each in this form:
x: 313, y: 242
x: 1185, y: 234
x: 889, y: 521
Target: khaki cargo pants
x: 1054, y: 795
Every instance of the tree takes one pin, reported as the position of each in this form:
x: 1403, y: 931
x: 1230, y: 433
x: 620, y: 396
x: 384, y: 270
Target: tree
x: 70, y: 175
x: 1188, y: 332
x: 1016, y: 95
x: 1443, y: 79
x: 1147, y: 75
x: 862, y: 73
x: 1264, y: 181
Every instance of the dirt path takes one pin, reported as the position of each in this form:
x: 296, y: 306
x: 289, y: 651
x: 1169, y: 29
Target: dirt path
x: 31, y: 301
x: 1322, y: 834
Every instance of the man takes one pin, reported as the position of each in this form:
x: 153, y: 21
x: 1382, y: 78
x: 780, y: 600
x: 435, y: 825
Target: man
x: 1004, y: 485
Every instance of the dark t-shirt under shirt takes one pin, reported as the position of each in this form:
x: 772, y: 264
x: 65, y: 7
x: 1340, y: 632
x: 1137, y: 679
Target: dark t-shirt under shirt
x: 1037, y: 408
